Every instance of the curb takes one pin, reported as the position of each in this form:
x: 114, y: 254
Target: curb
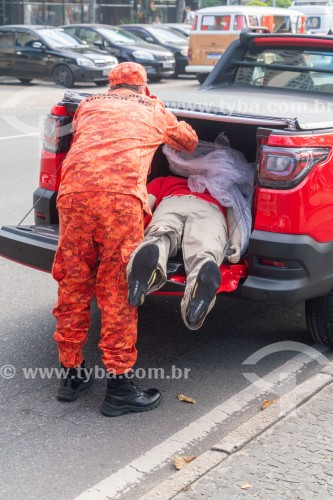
x: 235, y: 440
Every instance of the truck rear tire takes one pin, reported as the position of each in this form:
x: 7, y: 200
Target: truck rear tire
x: 319, y: 318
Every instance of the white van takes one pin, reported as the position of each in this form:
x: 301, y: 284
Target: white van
x: 214, y: 28
x: 319, y: 18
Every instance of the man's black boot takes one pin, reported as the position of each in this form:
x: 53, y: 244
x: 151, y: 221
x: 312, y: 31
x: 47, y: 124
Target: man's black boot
x: 73, y: 382
x: 143, y: 273
x: 204, y: 290
x: 123, y: 396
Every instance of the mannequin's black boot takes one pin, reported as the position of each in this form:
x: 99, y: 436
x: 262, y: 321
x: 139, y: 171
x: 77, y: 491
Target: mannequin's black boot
x: 143, y: 273
x: 204, y: 290
x: 123, y: 396
x: 75, y: 381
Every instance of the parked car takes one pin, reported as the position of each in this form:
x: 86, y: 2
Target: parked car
x: 28, y: 52
x: 158, y: 61
x: 274, y: 105
x: 153, y: 33
x: 179, y: 28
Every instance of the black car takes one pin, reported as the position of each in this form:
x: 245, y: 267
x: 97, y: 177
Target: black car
x: 28, y: 52
x: 153, y: 33
x: 158, y: 61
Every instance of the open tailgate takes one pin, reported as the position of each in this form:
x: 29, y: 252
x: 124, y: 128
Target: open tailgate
x: 33, y: 246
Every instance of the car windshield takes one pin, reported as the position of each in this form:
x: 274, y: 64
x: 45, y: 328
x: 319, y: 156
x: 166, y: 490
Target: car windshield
x: 59, y: 39
x: 120, y: 36
x: 166, y: 36
x: 299, y: 69
x: 180, y: 28
x: 182, y: 34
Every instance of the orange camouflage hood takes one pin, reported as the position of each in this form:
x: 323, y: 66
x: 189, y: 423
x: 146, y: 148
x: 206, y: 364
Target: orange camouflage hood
x: 128, y: 73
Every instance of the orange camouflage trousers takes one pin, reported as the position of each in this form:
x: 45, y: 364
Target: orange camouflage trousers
x: 98, y: 233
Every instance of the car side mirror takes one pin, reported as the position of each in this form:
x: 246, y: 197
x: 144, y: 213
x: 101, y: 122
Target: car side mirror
x: 100, y: 45
x: 149, y: 39
x: 37, y: 45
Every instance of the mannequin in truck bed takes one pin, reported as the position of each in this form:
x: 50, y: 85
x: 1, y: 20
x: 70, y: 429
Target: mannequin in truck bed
x: 195, y: 222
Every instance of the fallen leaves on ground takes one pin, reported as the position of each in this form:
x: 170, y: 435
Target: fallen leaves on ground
x: 180, y: 462
x: 186, y: 399
x: 246, y: 486
x: 267, y: 403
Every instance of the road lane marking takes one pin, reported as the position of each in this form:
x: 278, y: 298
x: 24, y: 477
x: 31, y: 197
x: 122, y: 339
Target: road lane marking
x: 18, y: 136
x: 133, y: 473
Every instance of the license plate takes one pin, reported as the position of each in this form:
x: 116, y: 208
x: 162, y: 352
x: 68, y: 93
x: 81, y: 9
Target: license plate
x: 167, y: 64
x: 213, y: 56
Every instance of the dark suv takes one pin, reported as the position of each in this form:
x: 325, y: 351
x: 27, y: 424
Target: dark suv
x: 154, y: 33
x: 28, y: 52
x: 158, y: 61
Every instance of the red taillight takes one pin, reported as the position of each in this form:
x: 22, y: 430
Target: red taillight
x: 50, y: 170
x: 57, y: 133
x: 195, y: 23
x: 40, y: 215
x: 178, y: 279
x: 283, y: 168
x: 272, y: 263
x: 59, y: 110
x: 57, y: 136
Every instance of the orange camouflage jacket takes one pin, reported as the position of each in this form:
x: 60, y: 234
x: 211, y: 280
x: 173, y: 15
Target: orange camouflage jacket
x: 116, y: 134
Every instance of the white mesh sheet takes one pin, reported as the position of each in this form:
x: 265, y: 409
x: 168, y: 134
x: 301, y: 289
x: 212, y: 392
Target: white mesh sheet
x: 224, y: 172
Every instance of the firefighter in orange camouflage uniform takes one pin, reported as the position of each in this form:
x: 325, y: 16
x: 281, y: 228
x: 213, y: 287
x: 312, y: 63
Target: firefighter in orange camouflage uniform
x: 101, y: 202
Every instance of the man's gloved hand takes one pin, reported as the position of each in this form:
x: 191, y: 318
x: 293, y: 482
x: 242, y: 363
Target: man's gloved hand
x: 235, y: 256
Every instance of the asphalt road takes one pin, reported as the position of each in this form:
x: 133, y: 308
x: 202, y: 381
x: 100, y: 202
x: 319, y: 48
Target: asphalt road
x: 59, y: 451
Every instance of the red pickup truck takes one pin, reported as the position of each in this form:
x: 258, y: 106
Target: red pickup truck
x: 272, y: 95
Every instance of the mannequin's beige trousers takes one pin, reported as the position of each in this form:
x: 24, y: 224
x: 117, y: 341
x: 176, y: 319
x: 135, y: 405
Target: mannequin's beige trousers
x: 190, y: 223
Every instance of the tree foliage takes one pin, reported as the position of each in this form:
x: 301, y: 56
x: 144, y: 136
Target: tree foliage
x: 257, y: 3
x: 271, y: 3
x: 283, y: 3
x: 210, y: 3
